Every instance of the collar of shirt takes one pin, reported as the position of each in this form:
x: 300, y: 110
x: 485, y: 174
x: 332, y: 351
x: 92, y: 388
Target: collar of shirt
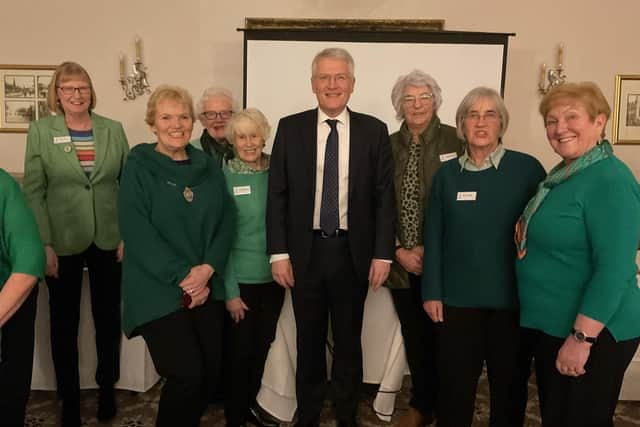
x: 492, y: 160
x: 343, y: 117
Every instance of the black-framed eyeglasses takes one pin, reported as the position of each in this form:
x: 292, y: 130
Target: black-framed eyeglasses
x: 70, y: 90
x: 423, y: 97
x: 212, y: 115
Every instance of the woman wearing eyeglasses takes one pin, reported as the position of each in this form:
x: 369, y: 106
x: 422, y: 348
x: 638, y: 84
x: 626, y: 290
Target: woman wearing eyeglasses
x: 214, y: 109
x: 469, y: 285
x: 71, y: 178
x: 419, y: 147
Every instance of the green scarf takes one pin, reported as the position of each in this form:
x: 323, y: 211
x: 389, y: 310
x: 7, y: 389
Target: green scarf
x: 556, y: 176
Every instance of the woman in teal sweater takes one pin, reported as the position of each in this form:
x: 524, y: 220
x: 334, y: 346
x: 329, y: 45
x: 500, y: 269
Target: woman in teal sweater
x: 469, y: 284
x: 577, y: 241
x: 177, y: 223
x: 22, y: 263
x: 253, y: 299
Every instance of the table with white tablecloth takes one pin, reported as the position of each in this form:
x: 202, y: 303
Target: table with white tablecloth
x: 137, y: 372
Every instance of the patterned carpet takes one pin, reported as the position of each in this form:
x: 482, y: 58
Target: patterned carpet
x: 138, y: 410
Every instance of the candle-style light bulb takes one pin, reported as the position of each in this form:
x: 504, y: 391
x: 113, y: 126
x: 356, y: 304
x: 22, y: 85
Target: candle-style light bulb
x: 138, y: 49
x: 560, y: 55
x: 122, y: 67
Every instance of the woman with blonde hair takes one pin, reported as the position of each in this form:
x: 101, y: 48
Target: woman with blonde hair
x: 177, y: 222
x: 72, y: 172
x: 577, y: 240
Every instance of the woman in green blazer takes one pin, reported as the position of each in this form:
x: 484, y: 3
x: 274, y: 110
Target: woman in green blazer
x: 72, y: 173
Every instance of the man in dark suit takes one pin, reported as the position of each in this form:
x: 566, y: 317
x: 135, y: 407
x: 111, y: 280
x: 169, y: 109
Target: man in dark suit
x: 330, y: 230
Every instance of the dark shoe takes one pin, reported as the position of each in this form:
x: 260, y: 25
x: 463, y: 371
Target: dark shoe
x: 413, y: 418
x: 351, y: 422
x: 70, y: 413
x: 262, y: 418
x: 106, y: 404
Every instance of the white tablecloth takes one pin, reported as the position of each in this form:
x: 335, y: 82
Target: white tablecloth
x: 137, y: 372
x: 384, y: 360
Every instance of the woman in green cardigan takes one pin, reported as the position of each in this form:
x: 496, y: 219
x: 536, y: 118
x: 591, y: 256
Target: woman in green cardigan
x: 22, y: 263
x: 577, y: 241
x: 253, y: 299
x: 177, y: 223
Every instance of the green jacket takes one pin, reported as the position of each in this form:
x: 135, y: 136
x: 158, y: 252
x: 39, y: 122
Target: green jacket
x: 73, y: 211
x: 21, y: 250
x: 437, y: 141
x: 173, y: 216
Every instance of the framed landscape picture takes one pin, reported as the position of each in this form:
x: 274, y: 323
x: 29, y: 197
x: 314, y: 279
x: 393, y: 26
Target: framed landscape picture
x: 23, y: 95
x: 626, y: 110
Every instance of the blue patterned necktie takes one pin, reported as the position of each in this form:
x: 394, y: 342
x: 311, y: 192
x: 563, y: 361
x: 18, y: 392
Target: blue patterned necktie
x: 329, y: 216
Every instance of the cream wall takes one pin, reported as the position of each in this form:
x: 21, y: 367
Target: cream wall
x: 194, y: 43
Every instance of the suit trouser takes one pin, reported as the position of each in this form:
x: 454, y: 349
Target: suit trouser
x: 418, y: 333
x: 64, y: 312
x: 329, y: 288
x: 249, y: 343
x: 466, y: 339
x: 588, y: 400
x: 186, y: 350
x: 16, y: 356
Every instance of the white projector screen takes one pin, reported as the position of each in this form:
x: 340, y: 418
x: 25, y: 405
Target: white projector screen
x: 278, y: 70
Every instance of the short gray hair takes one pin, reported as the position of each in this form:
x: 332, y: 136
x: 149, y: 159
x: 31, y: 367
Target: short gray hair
x: 215, y: 92
x: 250, y: 115
x: 335, y: 53
x: 471, y: 98
x: 414, y: 78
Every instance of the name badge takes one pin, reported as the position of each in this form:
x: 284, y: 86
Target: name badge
x: 242, y: 190
x: 448, y: 156
x: 61, y: 139
x: 466, y: 196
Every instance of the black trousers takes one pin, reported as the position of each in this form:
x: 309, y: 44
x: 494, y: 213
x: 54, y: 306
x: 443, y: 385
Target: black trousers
x: 467, y: 338
x: 64, y: 308
x: 16, y: 362
x: 186, y: 350
x: 418, y: 333
x: 588, y: 400
x: 329, y: 288
x: 249, y: 343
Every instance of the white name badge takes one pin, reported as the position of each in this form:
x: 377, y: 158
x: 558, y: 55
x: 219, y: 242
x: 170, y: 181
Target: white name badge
x: 242, y: 190
x: 448, y: 156
x: 61, y: 139
x: 466, y: 196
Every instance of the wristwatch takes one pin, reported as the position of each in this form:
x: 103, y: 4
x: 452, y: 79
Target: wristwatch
x: 580, y: 336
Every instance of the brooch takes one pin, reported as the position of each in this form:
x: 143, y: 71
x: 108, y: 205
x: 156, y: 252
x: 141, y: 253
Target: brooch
x: 188, y: 194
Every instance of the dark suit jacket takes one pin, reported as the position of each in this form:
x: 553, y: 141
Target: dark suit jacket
x: 292, y: 186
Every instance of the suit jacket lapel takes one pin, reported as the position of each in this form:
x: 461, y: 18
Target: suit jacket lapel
x: 100, y: 140
x: 310, y: 147
x: 66, y: 149
x: 356, y: 149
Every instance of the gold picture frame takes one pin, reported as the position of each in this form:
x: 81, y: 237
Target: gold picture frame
x: 626, y: 110
x: 306, y: 24
x: 23, y: 95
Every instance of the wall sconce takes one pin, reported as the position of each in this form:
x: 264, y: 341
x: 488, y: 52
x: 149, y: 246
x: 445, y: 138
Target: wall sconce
x: 136, y: 83
x: 553, y: 76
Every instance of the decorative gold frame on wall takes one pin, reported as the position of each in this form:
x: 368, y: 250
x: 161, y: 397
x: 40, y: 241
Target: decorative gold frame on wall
x: 24, y: 99
x: 626, y: 110
x: 344, y: 24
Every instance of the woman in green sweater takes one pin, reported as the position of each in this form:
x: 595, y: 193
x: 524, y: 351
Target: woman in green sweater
x: 177, y: 223
x: 469, y: 284
x: 577, y: 241
x: 253, y: 299
x: 22, y: 264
